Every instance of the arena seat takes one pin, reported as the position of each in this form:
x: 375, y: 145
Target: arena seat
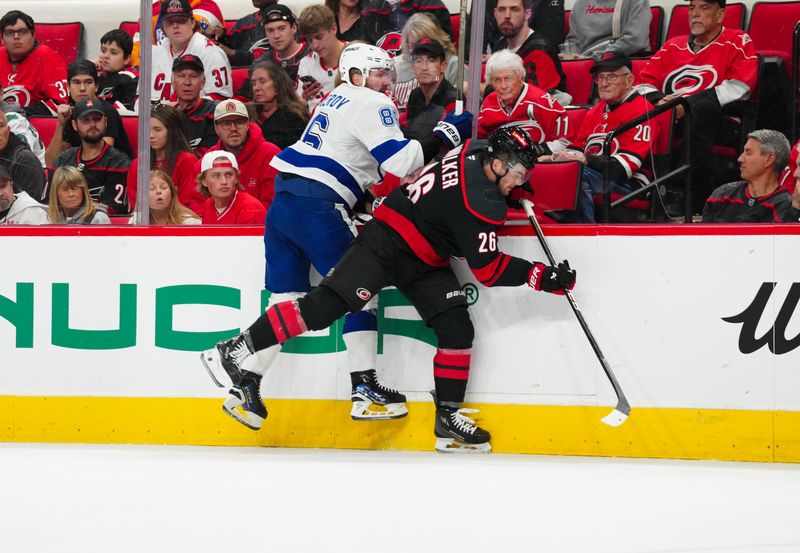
x: 455, y: 23
x: 131, y: 126
x: 771, y: 28
x: 556, y: 191
x: 238, y: 77
x: 575, y: 117
x: 64, y: 38
x: 45, y: 126
x: 679, y: 19
x: 130, y: 27
x: 579, y: 79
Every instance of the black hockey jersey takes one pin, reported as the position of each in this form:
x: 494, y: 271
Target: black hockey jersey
x: 452, y: 210
x: 732, y: 203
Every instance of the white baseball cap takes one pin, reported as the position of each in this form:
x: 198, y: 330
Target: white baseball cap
x: 230, y: 108
x: 218, y: 158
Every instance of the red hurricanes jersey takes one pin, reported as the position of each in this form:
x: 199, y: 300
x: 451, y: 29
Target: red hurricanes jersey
x: 40, y: 78
x: 631, y: 148
x: 676, y: 69
x: 535, y: 110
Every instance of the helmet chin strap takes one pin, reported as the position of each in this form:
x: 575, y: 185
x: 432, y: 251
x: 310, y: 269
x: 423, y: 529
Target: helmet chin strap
x: 497, y: 177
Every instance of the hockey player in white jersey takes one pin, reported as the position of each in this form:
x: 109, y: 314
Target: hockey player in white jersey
x: 353, y: 140
x: 181, y: 39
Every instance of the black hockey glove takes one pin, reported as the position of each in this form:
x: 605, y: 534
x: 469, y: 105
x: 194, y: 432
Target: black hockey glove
x: 552, y: 279
x: 523, y: 192
x: 454, y: 129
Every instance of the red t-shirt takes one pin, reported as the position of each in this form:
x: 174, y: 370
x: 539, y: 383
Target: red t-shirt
x: 39, y: 78
x: 244, y: 210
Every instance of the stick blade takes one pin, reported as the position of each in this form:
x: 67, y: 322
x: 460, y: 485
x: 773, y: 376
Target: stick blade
x: 614, y: 418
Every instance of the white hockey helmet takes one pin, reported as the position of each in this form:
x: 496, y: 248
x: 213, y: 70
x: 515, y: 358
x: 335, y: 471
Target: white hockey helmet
x: 363, y: 57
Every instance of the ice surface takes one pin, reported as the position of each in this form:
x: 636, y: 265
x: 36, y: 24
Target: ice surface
x: 119, y: 499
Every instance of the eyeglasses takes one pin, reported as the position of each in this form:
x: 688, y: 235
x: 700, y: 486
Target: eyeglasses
x: 21, y: 33
x: 227, y: 124
x: 610, y: 78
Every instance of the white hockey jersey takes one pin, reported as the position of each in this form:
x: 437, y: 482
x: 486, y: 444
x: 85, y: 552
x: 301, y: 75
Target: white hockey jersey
x: 219, y: 83
x: 352, y: 141
x: 311, y: 66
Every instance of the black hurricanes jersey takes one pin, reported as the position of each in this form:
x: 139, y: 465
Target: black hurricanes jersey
x: 452, y: 210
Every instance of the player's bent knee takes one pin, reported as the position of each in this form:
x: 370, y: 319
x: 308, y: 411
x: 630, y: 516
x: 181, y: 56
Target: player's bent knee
x: 321, y: 307
x: 453, y: 328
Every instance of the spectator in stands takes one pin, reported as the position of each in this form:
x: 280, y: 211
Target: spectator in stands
x: 188, y: 81
x: 20, y: 162
x: 419, y: 26
x: 31, y: 74
x: 206, y: 13
x: 435, y: 96
x: 547, y: 21
x: 82, y: 82
x: 758, y: 197
x: 116, y: 85
x: 170, y: 153
x: 165, y: 207
x: 247, y: 35
x: 280, y: 26
x: 18, y: 208
x: 353, y: 24
x: 318, y: 71
x: 539, y: 56
x: 227, y: 204
x: 628, y: 167
x: 182, y: 39
x: 283, y: 116
x: 515, y: 101
x: 103, y: 166
x: 600, y: 26
x: 243, y: 139
x: 25, y: 131
x: 71, y: 202
x: 395, y: 14
x: 712, y: 67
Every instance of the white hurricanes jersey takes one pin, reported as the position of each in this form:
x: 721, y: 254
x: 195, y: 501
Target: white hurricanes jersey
x: 311, y: 66
x: 219, y: 83
x: 352, y: 140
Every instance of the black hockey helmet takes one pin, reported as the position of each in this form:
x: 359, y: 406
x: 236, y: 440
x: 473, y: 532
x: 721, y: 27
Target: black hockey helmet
x: 516, y: 143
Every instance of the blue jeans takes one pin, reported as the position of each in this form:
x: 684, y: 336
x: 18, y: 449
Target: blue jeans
x: 591, y: 185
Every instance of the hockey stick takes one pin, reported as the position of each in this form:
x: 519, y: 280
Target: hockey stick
x: 620, y: 413
x: 462, y: 37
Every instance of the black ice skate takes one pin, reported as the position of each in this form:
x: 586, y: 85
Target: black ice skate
x: 457, y: 433
x: 228, y: 361
x: 244, y: 402
x: 374, y: 401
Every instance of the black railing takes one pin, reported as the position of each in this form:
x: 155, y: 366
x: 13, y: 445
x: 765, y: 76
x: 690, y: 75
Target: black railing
x: 683, y: 168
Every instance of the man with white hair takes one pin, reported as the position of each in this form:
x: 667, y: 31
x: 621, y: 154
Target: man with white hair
x: 515, y: 102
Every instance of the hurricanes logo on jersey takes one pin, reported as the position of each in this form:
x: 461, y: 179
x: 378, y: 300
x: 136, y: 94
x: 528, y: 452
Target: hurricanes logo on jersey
x: 594, y: 145
x: 17, y: 94
x: 363, y: 294
x: 689, y: 79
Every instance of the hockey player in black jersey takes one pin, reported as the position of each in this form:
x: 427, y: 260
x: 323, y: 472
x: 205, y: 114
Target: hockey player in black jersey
x: 453, y: 209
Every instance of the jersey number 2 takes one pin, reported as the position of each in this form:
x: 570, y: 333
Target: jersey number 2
x: 314, y: 131
x: 488, y: 242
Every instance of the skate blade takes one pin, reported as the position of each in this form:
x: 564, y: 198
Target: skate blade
x: 365, y: 411
x: 450, y: 445
x: 253, y: 422
x: 210, y: 360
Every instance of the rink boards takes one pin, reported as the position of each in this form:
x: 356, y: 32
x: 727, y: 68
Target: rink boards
x: 100, y: 329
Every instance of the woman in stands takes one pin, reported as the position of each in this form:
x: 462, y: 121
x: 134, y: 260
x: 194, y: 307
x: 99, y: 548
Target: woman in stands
x: 170, y: 152
x: 70, y: 201
x: 165, y: 207
x: 273, y: 89
x: 353, y: 23
x: 419, y: 26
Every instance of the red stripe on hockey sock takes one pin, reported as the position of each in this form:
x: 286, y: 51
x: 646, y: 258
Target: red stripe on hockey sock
x: 286, y: 320
x: 452, y: 363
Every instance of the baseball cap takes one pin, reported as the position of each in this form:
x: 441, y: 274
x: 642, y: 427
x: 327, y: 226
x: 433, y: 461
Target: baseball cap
x: 188, y: 61
x: 230, y: 108
x: 611, y: 61
x: 278, y: 12
x: 85, y: 107
x: 213, y: 159
x: 428, y: 46
x: 175, y: 8
x: 5, y: 176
